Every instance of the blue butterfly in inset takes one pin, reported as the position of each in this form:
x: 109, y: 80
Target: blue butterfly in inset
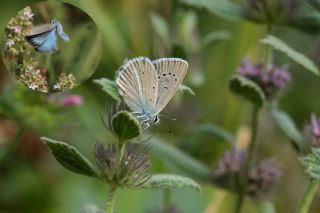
x: 44, y: 37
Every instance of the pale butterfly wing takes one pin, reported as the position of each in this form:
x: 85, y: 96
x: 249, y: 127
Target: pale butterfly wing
x: 171, y: 72
x: 138, y: 85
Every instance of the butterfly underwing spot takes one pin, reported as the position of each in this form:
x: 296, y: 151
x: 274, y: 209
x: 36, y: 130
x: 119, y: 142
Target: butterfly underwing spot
x: 165, y: 88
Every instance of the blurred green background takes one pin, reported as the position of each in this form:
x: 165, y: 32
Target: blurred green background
x: 32, y: 181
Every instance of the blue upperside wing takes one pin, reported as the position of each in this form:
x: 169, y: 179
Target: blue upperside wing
x: 37, y: 40
x: 50, y: 44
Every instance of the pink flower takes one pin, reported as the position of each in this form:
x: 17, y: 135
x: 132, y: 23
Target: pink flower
x: 315, y: 126
x: 72, y: 100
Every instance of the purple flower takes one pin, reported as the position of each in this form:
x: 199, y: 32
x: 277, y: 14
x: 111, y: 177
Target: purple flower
x: 315, y: 126
x: 272, y: 82
x: 72, y: 100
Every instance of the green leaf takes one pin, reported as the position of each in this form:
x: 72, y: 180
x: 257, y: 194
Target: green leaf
x: 90, y: 208
x: 265, y: 206
x: 248, y: 89
x: 289, y: 128
x: 69, y: 157
x: 312, y: 164
x: 161, y: 27
x: 180, y: 161
x: 125, y: 126
x: 109, y: 87
x: 185, y: 88
x: 223, y: 8
x: 308, y: 21
x: 215, y: 37
x: 296, y: 56
x: 170, y: 182
x: 216, y: 132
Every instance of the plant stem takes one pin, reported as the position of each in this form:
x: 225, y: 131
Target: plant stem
x: 111, y: 199
x: 308, y: 197
x: 167, y: 200
x: 268, y: 50
x: 251, y: 157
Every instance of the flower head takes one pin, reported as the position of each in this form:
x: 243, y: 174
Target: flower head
x: 272, y: 82
x: 72, y: 100
x: 263, y: 178
x: 127, y: 168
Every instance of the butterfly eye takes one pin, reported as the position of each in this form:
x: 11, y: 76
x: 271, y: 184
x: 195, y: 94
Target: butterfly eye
x: 156, y: 120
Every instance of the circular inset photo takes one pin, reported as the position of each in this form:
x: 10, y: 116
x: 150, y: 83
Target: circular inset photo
x: 51, y: 46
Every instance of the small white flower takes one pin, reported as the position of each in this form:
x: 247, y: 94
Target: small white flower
x: 33, y: 86
x: 17, y: 29
x: 57, y: 86
x: 27, y: 14
x: 10, y: 43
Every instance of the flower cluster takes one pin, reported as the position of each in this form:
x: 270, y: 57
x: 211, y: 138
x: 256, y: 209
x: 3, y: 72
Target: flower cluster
x: 272, y: 82
x: 262, y: 179
x: 65, y: 82
x: 126, y: 168
x: 16, y: 30
x: 33, y: 77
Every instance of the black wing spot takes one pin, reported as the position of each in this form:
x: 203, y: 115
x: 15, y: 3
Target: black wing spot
x: 159, y: 77
x: 174, y: 75
x: 164, y: 74
x: 165, y: 87
x: 175, y: 79
x: 153, y: 87
x: 169, y: 73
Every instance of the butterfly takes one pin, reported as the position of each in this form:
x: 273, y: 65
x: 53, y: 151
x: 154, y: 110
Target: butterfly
x: 147, y: 86
x: 44, y: 37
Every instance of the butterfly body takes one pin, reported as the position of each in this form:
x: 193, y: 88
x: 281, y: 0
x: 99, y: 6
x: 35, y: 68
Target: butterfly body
x: 147, y: 86
x: 44, y: 37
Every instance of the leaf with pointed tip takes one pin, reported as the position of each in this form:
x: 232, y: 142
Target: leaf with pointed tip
x: 248, y: 89
x: 125, y: 126
x: 185, y: 88
x: 296, y: 56
x: 164, y: 181
x: 287, y: 125
x: 215, y: 37
x: 161, y: 27
x: 312, y: 164
x: 69, y: 157
x: 216, y: 132
x: 109, y: 87
x: 223, y: 8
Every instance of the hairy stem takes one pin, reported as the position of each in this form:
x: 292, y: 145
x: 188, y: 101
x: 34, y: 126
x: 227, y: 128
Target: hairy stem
x: 111, y: 199
x: 250, y: 160
x: 167, y: 200
x: 268, y: 51
x: 308, y: 197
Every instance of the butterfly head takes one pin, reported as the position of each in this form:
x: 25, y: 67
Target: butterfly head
x: 156, y: 120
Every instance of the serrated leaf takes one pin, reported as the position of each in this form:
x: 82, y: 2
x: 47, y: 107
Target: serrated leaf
x: 248, y: 89
x: 185, y: 88
x: 216, y: 132
x: 287, y: 125
x: 125, y: 126
x: 164, y: 181
x: 161, y: 27
x: 215, y: 37
x: 69, y: 157
x: 109, y: 87
x: 296, y: 56
x: 312, y: 164
x: 223, y: 8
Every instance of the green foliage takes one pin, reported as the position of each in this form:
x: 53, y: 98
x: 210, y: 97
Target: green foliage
x: 296, y: 56
x: 69, y: 157
x: 287, y: 125
x: 109, y: 87
x: 175, y: 158
x: 214, y: 38
x: 125, y: 126
x: 170, y: 182
x: 265, y: 206
x: 312, y: 164
x: 247, y: 89
x: 185, y: 88
x: 161, y: 27
x: 216, y: 132
x: 223, y: 8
